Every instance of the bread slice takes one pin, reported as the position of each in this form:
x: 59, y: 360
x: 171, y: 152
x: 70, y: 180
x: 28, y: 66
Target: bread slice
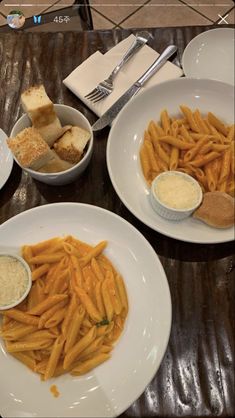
x: 38, y: 106
x: 217, y: 210
x: 55, y: 165
x: 71, y: 145
x: 51, y: 132
x: 30, y: 149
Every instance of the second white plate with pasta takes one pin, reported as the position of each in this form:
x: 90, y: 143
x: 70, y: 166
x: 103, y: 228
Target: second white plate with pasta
x: 139, y: 350
x: 126, y: 137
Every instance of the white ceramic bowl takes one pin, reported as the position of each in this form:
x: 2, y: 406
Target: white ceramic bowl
x: 166, y: 211
x: 67, y: 116
x: 27, y: 290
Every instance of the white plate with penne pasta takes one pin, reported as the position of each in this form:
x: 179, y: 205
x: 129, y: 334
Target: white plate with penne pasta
x: 185, y: 125
x: 96, y: 321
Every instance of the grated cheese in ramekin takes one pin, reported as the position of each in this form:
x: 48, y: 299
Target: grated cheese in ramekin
x: 13, y: 280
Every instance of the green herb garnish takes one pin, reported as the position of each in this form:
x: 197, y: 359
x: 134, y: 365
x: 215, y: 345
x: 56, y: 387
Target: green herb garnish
x: 103, y: 322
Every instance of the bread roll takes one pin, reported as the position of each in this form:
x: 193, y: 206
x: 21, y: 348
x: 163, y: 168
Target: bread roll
x: 217, y: 210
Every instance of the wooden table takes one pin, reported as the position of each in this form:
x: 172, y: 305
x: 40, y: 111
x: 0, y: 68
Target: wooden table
x: 196, y: 377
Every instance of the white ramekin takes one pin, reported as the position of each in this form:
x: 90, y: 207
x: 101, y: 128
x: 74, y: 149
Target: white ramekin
x: 171, y: 213
x: 29, y: 285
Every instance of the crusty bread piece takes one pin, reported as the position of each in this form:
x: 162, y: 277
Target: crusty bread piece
x: 217, y: 209
x: 51, y: 132
x: 30, y: 149
x: 71, y: 145
x: 55, y: 165
x: 38, y: 106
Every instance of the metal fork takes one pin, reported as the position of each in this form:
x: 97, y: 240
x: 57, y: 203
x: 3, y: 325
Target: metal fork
x: 104, y: 88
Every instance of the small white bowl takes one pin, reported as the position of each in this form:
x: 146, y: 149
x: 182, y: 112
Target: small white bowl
x: 29, y: 285
x: 170, y: 212
x: 67, y: 116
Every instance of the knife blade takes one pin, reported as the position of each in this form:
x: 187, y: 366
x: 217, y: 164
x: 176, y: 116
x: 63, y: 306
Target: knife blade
x: 113, y: 111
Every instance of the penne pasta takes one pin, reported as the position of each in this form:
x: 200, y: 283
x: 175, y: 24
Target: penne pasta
x: 211, y: 177
x: 25, y: 359
x: 144, y: 160
x: 165, y: 121
x: 40, y: 335
x: 109, y: 309
x: 88, y: 304
x: 74, y: 310
x: 204, y: 159
x: 19, y: 346
x: 162, y: 155
x: 190, y: 154
x: 17, y: 332
x: 190, y: 118
x: 200, y: 122
x: 94, y: 252
x: 56, y: 319
x: 19, y: 316
x: 46, y: 304
x: 54, y: 357
x: 171, y: 140
x: 27, y: 254
x: 50, y: 312
x: 225, y: 166
x: 151, y: 156
x: 69, y: 315
x: 122, y: 291
x: 46, y: 258
x: 152, y: 131
x: 87, y: 365
x: 92, y: 348
x: 40, y: 271
x: 80, y: 346
x: 113, y: 293
x: 217, y: 123
x: 191, y: 143
x: 99, y: 299
x: 74, y: 328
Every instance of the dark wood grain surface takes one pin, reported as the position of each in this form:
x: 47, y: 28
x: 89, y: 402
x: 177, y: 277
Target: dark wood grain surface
x: 196, y: 377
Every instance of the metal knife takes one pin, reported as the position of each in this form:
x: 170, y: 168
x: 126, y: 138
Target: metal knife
x: 112, y: 112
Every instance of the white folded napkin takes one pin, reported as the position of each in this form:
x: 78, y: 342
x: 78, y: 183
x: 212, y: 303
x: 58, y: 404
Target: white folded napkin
x: 98, y: 67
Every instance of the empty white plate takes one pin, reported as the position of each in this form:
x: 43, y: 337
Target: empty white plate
x: 6, y: 159
x: 211, y: 55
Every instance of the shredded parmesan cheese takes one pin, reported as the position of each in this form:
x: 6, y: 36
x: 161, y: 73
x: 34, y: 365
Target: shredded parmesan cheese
x: 177, y: 192
x: 13, y: 280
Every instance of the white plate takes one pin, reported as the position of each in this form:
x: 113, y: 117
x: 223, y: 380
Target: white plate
x: 211, y: 55
x: 125, y: 139
x: 112, y: 387
x: 6, y: 159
